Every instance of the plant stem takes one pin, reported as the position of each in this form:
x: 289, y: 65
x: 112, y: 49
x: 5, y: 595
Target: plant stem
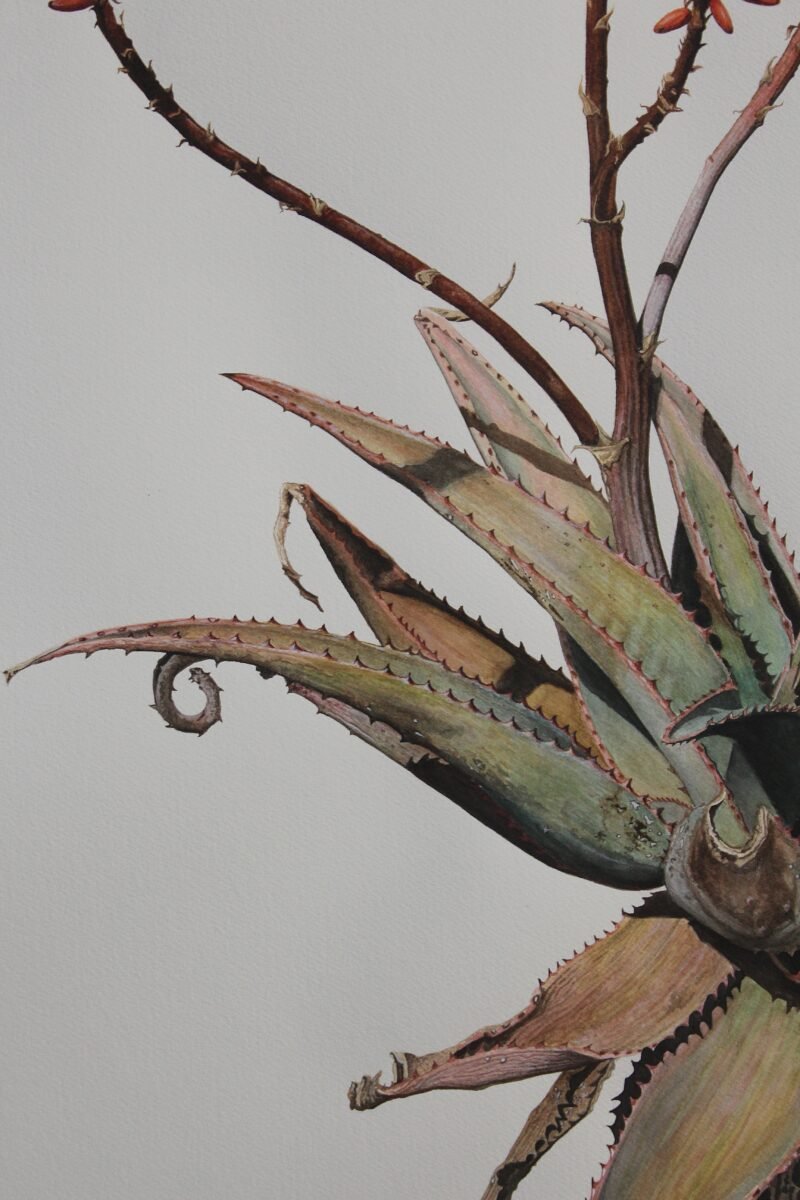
x: 673, y: 86
x: 628, y: 478
x: 776, y: 77
x: 162, y: 101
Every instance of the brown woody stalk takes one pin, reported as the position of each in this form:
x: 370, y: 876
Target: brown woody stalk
x: 672, y: 87
x: 162, y: 101
x: 627, y: 477
x: 776, y: 77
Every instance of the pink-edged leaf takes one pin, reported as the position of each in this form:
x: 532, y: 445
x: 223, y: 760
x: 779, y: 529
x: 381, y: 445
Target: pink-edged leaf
x: 619, y: 730
x: 630, y: 989
x: 580, y: 817
x: 785, y: 1186
x: 747, y: 576
x: 571, y: 1098
x: 635, y: 631
x: 717, y: 1118
x: 404, y: 614
x: 768, y: 737
x: 510, y: 437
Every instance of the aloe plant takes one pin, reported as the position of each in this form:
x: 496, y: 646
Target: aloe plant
x: 660, y: 758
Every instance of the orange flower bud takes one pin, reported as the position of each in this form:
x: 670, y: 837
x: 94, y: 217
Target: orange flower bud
x: 721, y: 15
x: 672, y: 20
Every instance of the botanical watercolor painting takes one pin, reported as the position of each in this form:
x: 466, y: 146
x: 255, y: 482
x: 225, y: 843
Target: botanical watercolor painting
x: 578, y: 875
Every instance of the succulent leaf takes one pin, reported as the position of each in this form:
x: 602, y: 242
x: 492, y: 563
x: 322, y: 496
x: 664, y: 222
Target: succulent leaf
x: 768, y: 737
x: 635, y: 631
x: 738, y: 550
x: 571, y: 1098
x: 727, y: 557
x: 628, y: 744
x: 630, y: 989
x: 431, y: 770
x: 404, y: 614
x: 510, y: 437
x: 578, y: 815
x: 717, y: 1117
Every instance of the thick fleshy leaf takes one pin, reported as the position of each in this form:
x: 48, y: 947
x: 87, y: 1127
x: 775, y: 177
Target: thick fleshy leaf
x: 404, y: 614
x: 630, y: 989
x: 717, y: 1117
x: 427, y: 767
x: 571, y: 1098
x: 768, y: 738
x: 739, y: 554
x: 509, y: 435
x: 635, y: 631
x: 578, y: 815
x: 620, y: 732
x: 726, y: 554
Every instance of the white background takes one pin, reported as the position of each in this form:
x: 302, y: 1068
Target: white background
x: 203, y: 941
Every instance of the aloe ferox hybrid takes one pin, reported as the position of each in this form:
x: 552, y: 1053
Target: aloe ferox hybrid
x: 662, y: 757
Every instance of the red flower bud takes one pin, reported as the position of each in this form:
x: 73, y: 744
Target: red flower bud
x: 672, y: 20
x: 763, y: 1
x: 70, y: 5
x: 721, y: 15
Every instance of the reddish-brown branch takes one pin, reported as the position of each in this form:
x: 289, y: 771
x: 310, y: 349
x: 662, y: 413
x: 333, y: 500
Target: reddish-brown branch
x: 778, y: 74
x: 162, y: 101
x: 628, y: 478
x: 673, y: 86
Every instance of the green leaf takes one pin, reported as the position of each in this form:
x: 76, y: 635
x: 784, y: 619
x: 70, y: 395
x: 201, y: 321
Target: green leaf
x: 580, y: 818
x: 630, y: 989
x: 727, y: 556
x: 509, y: 435
x: 634, y: 630
x: 747, y: 577
x: 718, y: 1116
x: 628, y: 744
x: 766, y: 736
x: 404, y: 614
x: 429, y: 768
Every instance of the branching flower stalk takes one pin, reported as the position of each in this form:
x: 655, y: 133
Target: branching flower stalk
x: 778, y: 74
x: 664, y: 758
x: 294, y: 199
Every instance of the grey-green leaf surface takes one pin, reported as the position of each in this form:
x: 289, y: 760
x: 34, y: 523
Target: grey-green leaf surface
x: 510, y: 437
x: 583, y: 820
x: 740, y: 558
x: 635, y: 631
